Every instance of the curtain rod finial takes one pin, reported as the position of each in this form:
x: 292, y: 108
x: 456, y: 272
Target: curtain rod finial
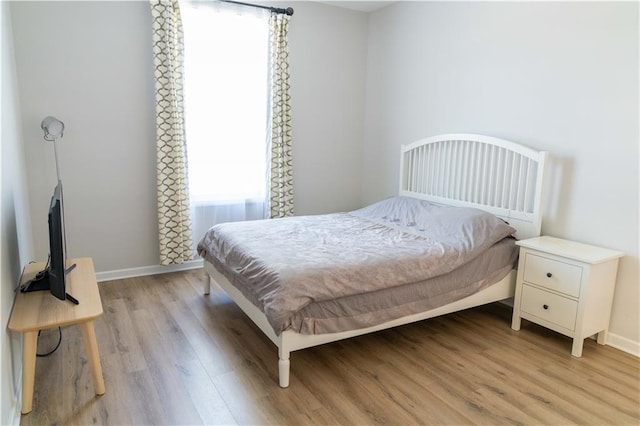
x: 290, y: 11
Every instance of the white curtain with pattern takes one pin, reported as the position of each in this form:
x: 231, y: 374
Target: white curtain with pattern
x: 174, y: 224
x: 281, y: 169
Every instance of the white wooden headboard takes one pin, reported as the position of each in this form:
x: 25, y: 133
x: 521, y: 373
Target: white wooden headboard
x: 496, y: 175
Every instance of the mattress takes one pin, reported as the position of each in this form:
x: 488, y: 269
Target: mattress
x: 328, y: 273
x: 373, y: 308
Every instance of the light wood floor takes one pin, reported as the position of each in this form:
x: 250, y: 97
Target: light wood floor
x: 173, y: 356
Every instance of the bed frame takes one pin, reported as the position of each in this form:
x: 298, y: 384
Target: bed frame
x: 469, y: 170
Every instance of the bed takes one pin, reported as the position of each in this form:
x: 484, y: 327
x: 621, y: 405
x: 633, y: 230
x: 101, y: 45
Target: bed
x: 311, y: 280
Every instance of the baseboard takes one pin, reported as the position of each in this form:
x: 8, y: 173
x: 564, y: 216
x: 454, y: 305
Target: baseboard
x: 16, y: 414
x: 625, y: 345
x: 15, y: 420
x: 147, y: 270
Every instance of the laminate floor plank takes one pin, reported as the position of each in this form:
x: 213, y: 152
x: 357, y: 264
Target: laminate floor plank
x: 326, y: 382
x: 609, y: 404
x: 359, y: 382
x: 125, y: 341
x: 505, y: 406
x: 416, y: 396
x: 165, y: 370
x: 496, y: 384
x: 303, y: 416
x: 210, y: 405
x: 243, y: 398
x: 146, y: 405
x: 214, y: 360
x: 539, y: 398
x: 116, y: 378
x: 171, y: 355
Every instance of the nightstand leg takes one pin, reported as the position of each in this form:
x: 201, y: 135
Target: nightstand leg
x: 602, y: 337
x: 576, y: 349
x: 515, y: 322
x: 207, y: 285
x: 91, y: 347
x: 29, y: 348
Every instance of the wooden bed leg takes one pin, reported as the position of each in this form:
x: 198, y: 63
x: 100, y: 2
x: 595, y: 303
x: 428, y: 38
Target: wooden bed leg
x: 207, y: 285
x: 283, y: 368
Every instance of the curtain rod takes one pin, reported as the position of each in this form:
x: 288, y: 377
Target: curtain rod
x: 287, y: 11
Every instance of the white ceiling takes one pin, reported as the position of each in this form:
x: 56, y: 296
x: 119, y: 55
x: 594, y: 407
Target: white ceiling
x: 363, y: 6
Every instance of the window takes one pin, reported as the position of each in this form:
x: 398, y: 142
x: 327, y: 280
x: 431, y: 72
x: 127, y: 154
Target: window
x: 226, y: 100
x: 226, y: 104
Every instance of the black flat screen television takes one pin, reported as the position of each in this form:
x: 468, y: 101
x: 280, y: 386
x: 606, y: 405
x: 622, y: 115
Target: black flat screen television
x: 57, y: 252
x: 53, y: 278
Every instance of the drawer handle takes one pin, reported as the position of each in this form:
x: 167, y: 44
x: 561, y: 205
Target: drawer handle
x: 549, y: 274
x: 545, y: 307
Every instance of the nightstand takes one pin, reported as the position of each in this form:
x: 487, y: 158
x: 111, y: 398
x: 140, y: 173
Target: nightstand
x: 567, y: 287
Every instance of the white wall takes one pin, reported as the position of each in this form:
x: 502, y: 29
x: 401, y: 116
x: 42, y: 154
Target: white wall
x: 328, y: 64
x: 90, y: 64
x: 561, y: 77
x: 16, y: 247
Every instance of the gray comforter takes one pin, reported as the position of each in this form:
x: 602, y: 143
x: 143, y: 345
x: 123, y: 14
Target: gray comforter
x: 283, y: 265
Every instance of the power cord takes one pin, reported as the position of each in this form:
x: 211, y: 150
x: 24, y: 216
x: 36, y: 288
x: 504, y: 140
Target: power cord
x: 57, y: 346
x: 39, y: 275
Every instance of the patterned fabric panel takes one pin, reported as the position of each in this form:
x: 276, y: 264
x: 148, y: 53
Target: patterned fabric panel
x: 281, y: 169
x: 174, y: 223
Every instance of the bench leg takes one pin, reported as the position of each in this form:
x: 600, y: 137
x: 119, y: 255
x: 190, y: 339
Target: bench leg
x: 91, y: 347
x: 29, y: 348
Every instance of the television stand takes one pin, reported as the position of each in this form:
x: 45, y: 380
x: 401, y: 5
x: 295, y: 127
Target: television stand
x: 72, y: 299
x: 36, y: 310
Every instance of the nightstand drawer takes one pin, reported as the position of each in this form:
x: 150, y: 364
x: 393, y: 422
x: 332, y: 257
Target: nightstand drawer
x: 552, y: 274
x: 549, y: 307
